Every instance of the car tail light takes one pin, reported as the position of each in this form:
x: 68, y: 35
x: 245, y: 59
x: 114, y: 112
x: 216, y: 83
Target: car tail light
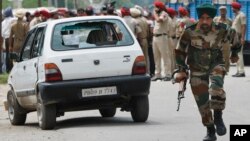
x: 52, y: 73
x: 139, y: 66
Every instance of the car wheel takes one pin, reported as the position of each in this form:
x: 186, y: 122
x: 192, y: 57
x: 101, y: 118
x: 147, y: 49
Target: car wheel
x: 16, y: 114
x: 140, y: 108
x: 107, y: 112
x: 46, y: 116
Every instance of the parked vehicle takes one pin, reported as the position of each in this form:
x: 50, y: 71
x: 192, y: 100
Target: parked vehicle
x: 81, y: 63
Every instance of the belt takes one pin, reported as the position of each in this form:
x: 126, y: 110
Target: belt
x: 173, y: 37
x: 157, y: 35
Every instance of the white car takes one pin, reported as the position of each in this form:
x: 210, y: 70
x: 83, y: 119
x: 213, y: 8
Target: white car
x: 81, y: 63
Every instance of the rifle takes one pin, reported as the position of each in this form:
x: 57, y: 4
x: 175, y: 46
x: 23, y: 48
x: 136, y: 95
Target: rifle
x: 182, y: 89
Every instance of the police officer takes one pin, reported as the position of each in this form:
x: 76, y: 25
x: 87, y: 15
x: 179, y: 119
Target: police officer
x: 18, y: 32
x: 199, y: 49
x: 226, y: 48
x: 184, y: 21
x: 239, y: 24
x: 161, y: 49
x: 172, y: 34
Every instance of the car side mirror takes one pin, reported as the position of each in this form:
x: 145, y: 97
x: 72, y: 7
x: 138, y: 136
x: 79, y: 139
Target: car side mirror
x: 14, y: 56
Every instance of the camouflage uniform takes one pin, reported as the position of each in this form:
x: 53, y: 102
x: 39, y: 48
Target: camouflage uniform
x: 205, y: 60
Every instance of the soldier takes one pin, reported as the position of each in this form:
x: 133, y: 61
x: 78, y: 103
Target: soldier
x: 199, y: 49
x: 160, y: 42
x: 18, y: 32
x: 226, y: 48
x: 239, y: 24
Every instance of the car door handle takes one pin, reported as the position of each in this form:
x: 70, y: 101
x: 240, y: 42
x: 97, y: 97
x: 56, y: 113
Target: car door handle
x: 35, y: 65
x: 24, y: 67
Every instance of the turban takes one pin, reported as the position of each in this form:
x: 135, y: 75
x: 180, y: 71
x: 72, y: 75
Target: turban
x: 125, y: 11
x: 159, y: 5
x: 135, y: 12
x: 8, y: 12
x: 182, y: 11
x: 20, y: 13
x: 223, y: 7
x: 206, y: 9
x: 171, y: 11
x: 45, y: 13
x: 236, y: 5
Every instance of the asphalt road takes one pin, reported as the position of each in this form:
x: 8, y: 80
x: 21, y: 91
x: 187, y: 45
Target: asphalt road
x: 164, y: 123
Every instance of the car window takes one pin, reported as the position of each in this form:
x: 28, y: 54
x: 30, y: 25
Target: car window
x: 26, y: 52
x: 90, y: 34
x: 38, y: 42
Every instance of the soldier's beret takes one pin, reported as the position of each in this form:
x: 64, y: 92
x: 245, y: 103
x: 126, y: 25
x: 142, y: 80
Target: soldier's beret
x: 159, y: 5
x: 236, y: 5
x: 206, y: 9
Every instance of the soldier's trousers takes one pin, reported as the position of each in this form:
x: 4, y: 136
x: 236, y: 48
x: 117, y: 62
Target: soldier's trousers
x: 208, y: 92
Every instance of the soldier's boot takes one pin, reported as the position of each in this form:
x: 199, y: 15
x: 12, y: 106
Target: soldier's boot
x: 210, y: 134
x: 218, y: 121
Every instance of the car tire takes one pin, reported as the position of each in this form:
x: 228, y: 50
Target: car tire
x: 46, y: 115
x: 140, y: 108
x: 107, y: 112
x: 16, y: 113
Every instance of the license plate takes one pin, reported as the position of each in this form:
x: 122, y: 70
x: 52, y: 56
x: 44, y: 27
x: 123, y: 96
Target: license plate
x: 101, y: 91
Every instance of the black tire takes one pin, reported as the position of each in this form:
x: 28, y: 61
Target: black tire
x: 46, y: 116
x: 107, y: 112
x: 140, y: 108
x: 16, y: 113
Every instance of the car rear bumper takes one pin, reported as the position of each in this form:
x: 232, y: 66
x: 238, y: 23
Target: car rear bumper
x: 71, y: 91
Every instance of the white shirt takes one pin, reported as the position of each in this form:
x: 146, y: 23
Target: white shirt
x: 6, y: 25
x: 239, y: 20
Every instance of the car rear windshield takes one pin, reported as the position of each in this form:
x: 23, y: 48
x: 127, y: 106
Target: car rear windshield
x: 90, y: 34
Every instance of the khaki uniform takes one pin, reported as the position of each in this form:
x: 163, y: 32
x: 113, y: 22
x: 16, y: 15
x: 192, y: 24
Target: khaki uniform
x: 239, y: 20
x: 142, y: 37
x: 132, y: 24
x: 18, y: 32
x: 226, y: 46
x: 173, y: 40
x: 161, y: 48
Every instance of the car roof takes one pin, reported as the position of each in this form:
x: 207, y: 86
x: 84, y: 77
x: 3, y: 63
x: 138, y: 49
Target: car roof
x: 54, y: 22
